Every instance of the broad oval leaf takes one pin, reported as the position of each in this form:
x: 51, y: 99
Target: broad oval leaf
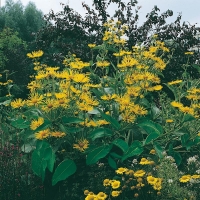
x: 112, y: 163
x: 100, y: 132
x: 135, y: 149
x: 115, y: 124
x: 121, y: 144
x: 20, y: 123
x: 97, y: 153
x: 65, y: 169
x: 151, y: 137
x: 151, y: 127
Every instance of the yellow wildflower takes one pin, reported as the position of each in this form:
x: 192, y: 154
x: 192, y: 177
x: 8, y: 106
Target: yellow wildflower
x: 57, y: 134
x: 35, y: 54
x: 115, y: 184
x: 115, y: 193
x: 36, y: 123
x: 185, y: 178
x: 139, y: 173
x: 42, y: 134
x: 17, y: 103
x: 82, y: 145
x: 91, y: 45
x: 121, y: 170
x: 175, y: 82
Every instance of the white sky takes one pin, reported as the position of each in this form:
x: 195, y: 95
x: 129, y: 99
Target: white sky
x: 190, y: 9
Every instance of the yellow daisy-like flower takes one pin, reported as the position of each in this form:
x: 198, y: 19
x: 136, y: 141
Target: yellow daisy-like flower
x: 80, y: 78
x: 91, y: 197
x: 151, y: 180
x: 144, y: 161
x: 115, y: 184
x: 195, y: 176
x: 91, y: 45
x: 176, y: 104
x: 169, y: 120
x: 101, y: 196
x: 36, y: 123
x: 175, y: 82
x: 17, y: 103
x: 189, y: 53
x: 58, y: 134
x: 115, y: 193
x: 106, y: 182
x: 139, y: 173
x: 34, y: 99
x: 86, y: 192
x: 153, y: 151
x: 103, y: 63
x: 185, y: 178
x: 121, y: 170
x: 42, y: 134
x: 82, y: 145
x: 35, y: 54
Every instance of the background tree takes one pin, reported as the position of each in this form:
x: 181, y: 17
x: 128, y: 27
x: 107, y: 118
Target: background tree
x: 72, y: 32
x: 18, y: 25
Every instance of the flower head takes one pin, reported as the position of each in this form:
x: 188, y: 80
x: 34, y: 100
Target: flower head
x: 82, y: 145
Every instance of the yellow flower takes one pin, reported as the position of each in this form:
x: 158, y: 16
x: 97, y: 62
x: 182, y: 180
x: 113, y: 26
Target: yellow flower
x: 42, y: 134
x: 91, y: 197
x: 106, y: 182
x: 103, y: 63
x: 80, y: 78
x: 82, y: 145
x: 121, y: 170
x: 169, y: 120
x: 195, y: 176
x: 139, y: 173
x: 151, y: 180
x: 185, y: 178
x: 86, y: 192
x: 189, y: 53
x: 36, y: 123
x: 175, y: 82
x: 115, y: 184
x: 153, y: 151
x: 115, y: 193
x: 57, y: 134
x: 176, y: 104
x: 144, y: 161
x: 17, y: 103
x: 109, y: 97
x: 101, y: 196
x: 91, y: 45
x: 34, y: 99
x: 35, y: 54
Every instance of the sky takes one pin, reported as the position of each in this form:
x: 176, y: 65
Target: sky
x: 190, y: 9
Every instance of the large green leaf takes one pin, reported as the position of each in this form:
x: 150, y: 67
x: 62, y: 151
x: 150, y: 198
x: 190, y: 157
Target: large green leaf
x: 121, y: 144
x: 97, y: 153
x: 49, y: 156
x: 36, y: 164
x: 159, y: 150
x: 188, y: 117
x: 151, y: 137
x: 112, y: 162
x: 184, y: 139
x: 155, y: 111
x: 115, y: 124
x: 151, y: 127
x: 65, y: 169
x: 135, y: 149
x: 20, y: 123
x: 100, y: 132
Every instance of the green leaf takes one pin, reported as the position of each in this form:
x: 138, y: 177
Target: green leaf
x: 121, y: 144
x: 114, y: 155
x: 44, y: 126
x: 173, y: 91
x: 100, y: 132
x: 184, y: 139
x: 151, y: 127
x: 177, y: 157
x: 71, y: 120
x: 27, y: 148
x: 49, y: 156
x: 20, y: 123
x: 151, y: 137
x: 112, y: 163
x: 155, y: 111
x: 159, y: 150
x: 73, y: 129
x: 135, y: 149
x: 36, y: 163
x: 196, y: 67
x: 115, y: 124
x: 187, y: 118
x: 97, y: 153
x: 144, y: 102
x: 197, y: 140
x: 65, y: 169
